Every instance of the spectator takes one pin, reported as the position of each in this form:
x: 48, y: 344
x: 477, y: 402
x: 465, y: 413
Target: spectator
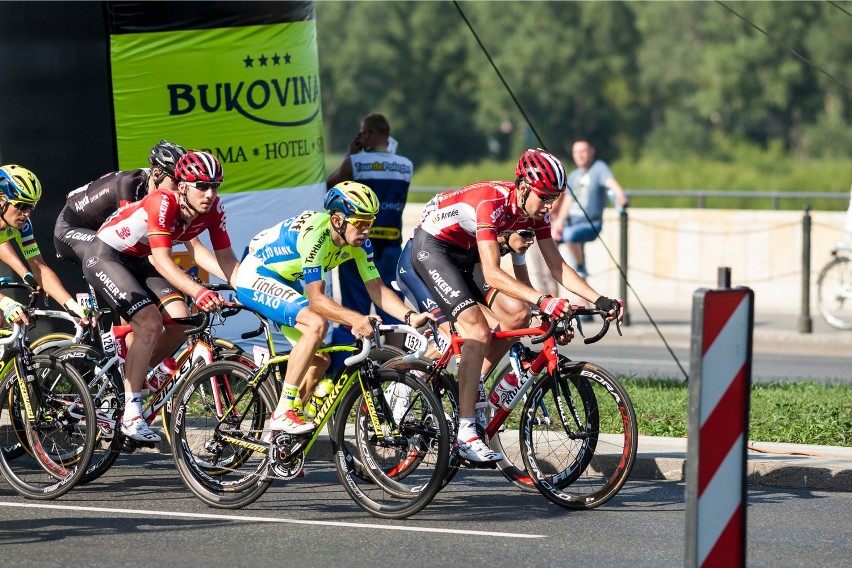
x: 372, y: 161
x: 579, y: 218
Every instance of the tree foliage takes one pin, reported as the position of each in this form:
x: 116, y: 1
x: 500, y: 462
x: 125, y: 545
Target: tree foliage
x: 676, y: 79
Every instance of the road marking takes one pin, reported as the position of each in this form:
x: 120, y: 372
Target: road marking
x: 208, y: 516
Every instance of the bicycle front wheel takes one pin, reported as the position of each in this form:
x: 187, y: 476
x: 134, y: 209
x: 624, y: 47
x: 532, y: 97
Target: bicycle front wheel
x: 413, y: 431
x: 54, y: 421
x: 834, y: 292
x: 218, y: 400
x: 580, y: 450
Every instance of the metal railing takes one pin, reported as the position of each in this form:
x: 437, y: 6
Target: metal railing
x: 701, y: 195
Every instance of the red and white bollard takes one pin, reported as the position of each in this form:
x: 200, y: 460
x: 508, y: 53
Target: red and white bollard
x: 717, y: 430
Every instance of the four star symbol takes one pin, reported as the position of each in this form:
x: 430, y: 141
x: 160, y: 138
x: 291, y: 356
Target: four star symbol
x: 263, y: 59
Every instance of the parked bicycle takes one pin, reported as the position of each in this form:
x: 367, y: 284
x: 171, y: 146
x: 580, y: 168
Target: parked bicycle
x: 46, y: 413
x: 577, y: 432
x: 223, y: 411
x: 834, y: 288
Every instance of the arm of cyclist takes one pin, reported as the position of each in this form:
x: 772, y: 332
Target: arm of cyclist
x: 46, y: 278
x: 332, y: 311
x: 385, y: 298
x: 222, y: 264
x: 204, y: 258
x: 206, y: 299
x: 566, y: 276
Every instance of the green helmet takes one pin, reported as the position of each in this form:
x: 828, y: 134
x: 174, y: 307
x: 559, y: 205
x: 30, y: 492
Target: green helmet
x: 352, y: 198
x: 19, y: 184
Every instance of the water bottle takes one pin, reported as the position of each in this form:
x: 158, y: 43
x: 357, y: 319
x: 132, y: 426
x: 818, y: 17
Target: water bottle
x: 321, y: 392
x: 159, y: 376
x: 505, y: 390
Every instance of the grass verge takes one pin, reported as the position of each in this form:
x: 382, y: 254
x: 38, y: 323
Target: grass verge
x: 796, y: 413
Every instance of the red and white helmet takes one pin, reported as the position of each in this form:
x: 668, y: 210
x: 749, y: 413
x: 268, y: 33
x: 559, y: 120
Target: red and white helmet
x: 198, y: 165
x: 542, y: 171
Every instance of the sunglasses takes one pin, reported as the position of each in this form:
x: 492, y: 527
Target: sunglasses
x: 359, y: 223
x: 23, y: 206
x: 205, y: 185
x: 526, y: 233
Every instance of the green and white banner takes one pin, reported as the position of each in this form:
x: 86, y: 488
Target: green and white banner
x: 248, y: 94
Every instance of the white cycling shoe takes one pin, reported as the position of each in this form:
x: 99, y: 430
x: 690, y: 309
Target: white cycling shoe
x: 475, y: 450
x: 139, y: 430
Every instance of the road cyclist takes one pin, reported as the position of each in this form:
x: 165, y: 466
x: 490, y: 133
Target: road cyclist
x: 118, y: 268
x: 459, y: 229
x: 283, y: 278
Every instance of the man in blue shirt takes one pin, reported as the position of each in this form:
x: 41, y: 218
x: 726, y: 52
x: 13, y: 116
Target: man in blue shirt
x: 372, y: 160
x: 591, y: 183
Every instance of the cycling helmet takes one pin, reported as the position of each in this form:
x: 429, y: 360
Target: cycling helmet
x: 198, y: 165
x: 352, y: 198
x: 19, y: 184
x: 543, y: 171
x: 165, y: 155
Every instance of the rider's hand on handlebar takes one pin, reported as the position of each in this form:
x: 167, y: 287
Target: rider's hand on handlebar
x: 362, y: 327
x: 555, y: 308
x: 613, y: 307
x: 207, y: 300
x: 74, y: 308
x: 418, y: 320
x: 13, y: 312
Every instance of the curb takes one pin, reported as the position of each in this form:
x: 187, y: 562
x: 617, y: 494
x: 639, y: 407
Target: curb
x: 832, y: 472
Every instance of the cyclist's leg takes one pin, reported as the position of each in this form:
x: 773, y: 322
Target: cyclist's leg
x: 110, y: 274
x: 171, y: 303
x: 456, y: 293
x: 71, y: 242
x: 281, y: 302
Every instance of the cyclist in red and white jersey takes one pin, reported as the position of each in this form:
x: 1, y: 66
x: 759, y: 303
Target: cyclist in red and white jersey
x: 118, y: 267
x: 459, y: 229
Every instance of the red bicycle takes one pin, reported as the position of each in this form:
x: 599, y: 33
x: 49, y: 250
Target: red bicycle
x: 576, y: 434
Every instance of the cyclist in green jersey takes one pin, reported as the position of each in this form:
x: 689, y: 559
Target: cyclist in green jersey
x: 283, y: 277
x: 20, y: 190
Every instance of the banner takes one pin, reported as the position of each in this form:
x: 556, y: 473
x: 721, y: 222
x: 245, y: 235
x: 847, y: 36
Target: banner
x: 237, y: 79
x: 249, y: 94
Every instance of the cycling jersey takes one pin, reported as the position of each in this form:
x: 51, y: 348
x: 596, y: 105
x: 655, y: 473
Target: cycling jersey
x: 156, y: 222
x: 285, y: 257
x: 300, y: 248
x: 90, y: 205
x: 478, y: 212
x: 24, y: 237
x: 87, y: 207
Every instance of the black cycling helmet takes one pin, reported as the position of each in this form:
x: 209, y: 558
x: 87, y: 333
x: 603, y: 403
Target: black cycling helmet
x: 165, y: 155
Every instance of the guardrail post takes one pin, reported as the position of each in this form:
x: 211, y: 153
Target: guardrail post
x: 623, y: 283
x: 806, y: 324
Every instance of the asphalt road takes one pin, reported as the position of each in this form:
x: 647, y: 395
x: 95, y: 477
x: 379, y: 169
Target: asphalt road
x: 140, y: 514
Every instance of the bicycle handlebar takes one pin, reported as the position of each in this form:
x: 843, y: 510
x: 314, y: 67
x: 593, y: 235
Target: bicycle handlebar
x: 16, y: 331
x: 576, y: 312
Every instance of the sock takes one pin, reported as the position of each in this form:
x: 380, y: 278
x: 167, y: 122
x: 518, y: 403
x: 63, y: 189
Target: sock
x: 467, y: 431
x: 132, y: 405
x: 288, y: 397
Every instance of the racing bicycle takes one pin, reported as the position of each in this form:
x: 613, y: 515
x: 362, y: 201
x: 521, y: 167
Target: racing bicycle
x: 577, y: 432
x: 222, y: 410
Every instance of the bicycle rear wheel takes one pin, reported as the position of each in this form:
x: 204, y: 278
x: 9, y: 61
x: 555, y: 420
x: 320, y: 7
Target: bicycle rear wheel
x: 53, y: 429
x: 419, y: 432
x: 580, y: 454
x: 834, y: 292
x: 216, y: 400
x: 107, y: 391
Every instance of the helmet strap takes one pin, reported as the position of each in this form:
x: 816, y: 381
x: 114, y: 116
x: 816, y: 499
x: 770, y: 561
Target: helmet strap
x: 3, y: 209
x: 184, y: 201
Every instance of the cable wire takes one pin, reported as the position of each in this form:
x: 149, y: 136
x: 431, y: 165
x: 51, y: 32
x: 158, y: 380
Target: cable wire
x: 784, y: 45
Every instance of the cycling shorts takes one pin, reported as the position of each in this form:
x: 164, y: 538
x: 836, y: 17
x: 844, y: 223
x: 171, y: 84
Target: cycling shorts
x: 447, y: 272
x: 127, y: 283
x: 275, y: 298
x: 70, y: 241
x: 413, y: 287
